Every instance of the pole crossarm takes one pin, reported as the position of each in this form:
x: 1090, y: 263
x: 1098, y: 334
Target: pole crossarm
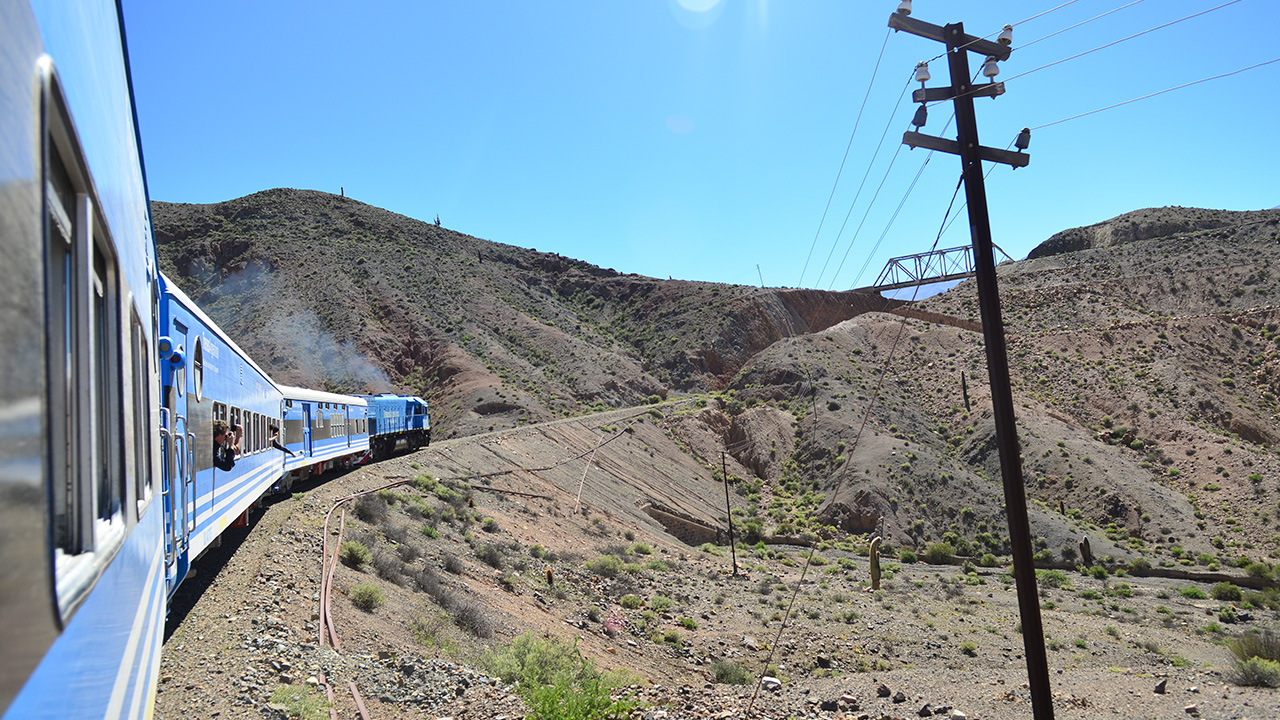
x: 908, y: 24
x: 915, y: 140
x: 939, y: 94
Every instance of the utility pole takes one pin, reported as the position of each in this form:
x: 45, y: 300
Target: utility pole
x: 733, y: 550
x: 971, y: 153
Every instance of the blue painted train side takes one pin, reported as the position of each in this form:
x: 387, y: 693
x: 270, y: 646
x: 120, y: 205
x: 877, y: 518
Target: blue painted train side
x: 207, y: 377
x: 111, y: 380
x: 81, y: 512
x: 323, y: 430
x: 397, y: 418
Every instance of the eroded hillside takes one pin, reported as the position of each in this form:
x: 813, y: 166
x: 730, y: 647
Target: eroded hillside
x: 1143, y: 353
x: 324, y: 291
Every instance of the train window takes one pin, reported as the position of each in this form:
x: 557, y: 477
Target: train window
x: 88, y: 485
x: 141, y: 415
x: 197, y: 368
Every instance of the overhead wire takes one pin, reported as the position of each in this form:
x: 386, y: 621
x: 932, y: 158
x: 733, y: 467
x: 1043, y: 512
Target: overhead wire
x: 870, y: 165
x: 840, y: 172
x: 1025, y: 45
x: 1016, y: 24
x: 1159, y: 92
x: 1123, y: 39
x: 884, y: 371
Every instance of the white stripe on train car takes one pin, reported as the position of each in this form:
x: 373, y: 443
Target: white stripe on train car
x: 145, y: 610
x: 150, y: 664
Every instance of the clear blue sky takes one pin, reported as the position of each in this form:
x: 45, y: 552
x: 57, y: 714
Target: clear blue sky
x: 660, y: 138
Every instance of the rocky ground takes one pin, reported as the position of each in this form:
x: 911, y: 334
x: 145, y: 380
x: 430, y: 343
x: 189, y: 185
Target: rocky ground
x: 934, y: 641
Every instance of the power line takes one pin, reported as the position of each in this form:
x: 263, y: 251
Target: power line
x: 1124, y: 39
x: 1160, y: 92
x: 1042, y: 14
x: 991, y: 35
x: 1073, y: 27
x: 893, y: 218
x: 839, y: 172
x: 836, y: 243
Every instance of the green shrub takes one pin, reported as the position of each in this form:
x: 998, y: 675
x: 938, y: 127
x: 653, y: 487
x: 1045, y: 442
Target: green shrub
x: 606, y: 566
x: 969, y: 647
x: 1257, y: 672
x: 489, y: 525
x: 1259, y: 570
x: 491, y: 555
x: 688, y: 623
x: 1053, y: 578
x: 354, y: 554
x: 731, y: 673
x: 367, y: 596
x: 907, y: 557
x: 1120, y: 589
x: 301, y: 702
x: 1193, y: 593
x: 630, y: 602
x: 661, y: 603
x: 1264, y: 644
x: 557, y: 682
x: 942, y: 553
x: 641, y: 549
x: 1226, y: 592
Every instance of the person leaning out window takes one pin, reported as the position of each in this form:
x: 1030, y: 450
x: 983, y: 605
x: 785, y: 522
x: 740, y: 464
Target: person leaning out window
x: 226, y: 445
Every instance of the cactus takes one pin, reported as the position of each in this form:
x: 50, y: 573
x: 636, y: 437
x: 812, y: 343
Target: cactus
x: 551, y: 578
x: 1086, y: 553
x: 875, y: 563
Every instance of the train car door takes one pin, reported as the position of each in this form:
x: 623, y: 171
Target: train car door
x: 306, y: 429
x: 178, y: 440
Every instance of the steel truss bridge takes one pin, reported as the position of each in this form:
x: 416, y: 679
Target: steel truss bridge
x: 927, y: 268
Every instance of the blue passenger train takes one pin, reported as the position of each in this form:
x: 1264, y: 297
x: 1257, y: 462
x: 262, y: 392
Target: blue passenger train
x: 111, y: 383
x: 395, y: 418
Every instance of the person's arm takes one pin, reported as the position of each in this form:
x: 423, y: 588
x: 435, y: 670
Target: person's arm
x: 276, y: 444
x: 235, y: 440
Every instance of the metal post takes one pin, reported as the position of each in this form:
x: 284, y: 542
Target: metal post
x: 998, y: 369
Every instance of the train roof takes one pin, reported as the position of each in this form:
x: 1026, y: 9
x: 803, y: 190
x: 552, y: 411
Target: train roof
x: 297, y: 393
x: 393, y: 396
x: 173, y: 289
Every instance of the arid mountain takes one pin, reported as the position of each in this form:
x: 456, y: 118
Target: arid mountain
x: 324, y: 291
x: 1143, y: 351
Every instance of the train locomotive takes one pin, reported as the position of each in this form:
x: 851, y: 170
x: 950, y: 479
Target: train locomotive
x: 111, y: 381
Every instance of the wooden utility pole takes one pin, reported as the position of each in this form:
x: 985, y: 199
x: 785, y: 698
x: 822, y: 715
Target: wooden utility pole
x: 971, y: 153
x: 733, y: 550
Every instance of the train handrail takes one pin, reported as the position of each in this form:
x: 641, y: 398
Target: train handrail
x: 191, y: 474
x: 180, y: 438
x: 166, y: 490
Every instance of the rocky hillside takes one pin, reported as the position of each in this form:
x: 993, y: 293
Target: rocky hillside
x: 324, y: 291
x: 1143, y: 351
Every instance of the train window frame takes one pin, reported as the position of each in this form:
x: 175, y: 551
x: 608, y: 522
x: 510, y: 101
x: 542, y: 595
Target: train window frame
x: 86, y: 458
x: 197, y: 368
x: 140, y: 362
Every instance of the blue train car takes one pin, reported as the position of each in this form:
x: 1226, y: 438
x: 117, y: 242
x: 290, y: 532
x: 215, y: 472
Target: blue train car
x: 206, y: 377
x: 396, y: 418
x: 323, y: 431
x: 81, y: 511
